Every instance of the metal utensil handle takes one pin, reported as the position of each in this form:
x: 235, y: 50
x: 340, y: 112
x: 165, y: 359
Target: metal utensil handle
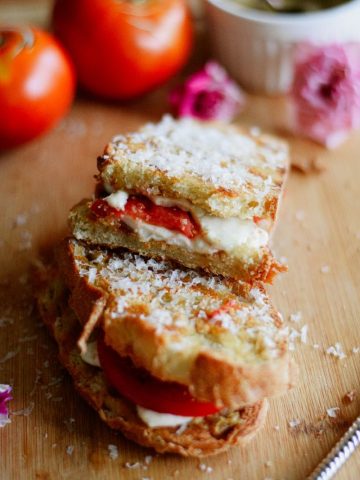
x: 339, y: 454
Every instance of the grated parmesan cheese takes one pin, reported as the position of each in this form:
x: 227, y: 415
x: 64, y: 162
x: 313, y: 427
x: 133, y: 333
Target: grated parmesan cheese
x: 113, y: 451
x: 332, y: 412
x: 224, y: 158
x: 176, y: 305
x: 336, y: 351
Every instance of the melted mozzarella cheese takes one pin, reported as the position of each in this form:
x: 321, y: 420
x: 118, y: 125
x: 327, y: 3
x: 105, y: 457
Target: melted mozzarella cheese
x: 227, y: 234
x: 224, y: 233
x: 230, y: 233
x: 91, y: 356
x: 117, y: 200
x: 148, y: 232
x: 156, y: 419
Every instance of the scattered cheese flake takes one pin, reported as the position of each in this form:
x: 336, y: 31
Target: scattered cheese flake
x: 316, y: 346
x: 113, y: 451
x: 336, y: 351
x: 20, y: 219
x: 300, y: 215
x: 294, y: 423
x: 303, y: 333
x: 132, y: 466
x: 332, y: 412
x: 325, y: 269
x: 276, y: 428
x: 205, y: 468
x: 70, y: 449
x: 148, y: 459
x: 295, y: 317
x: 355, y: 349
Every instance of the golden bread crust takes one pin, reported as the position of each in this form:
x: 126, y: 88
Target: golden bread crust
x: 220, y: 168
x: 254, y: 265
x: 202, y: 437
x: 175, y: 341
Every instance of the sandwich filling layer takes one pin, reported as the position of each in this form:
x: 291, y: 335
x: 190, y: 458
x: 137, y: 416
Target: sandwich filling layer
x: 177, y: 222
x: 138, y: 388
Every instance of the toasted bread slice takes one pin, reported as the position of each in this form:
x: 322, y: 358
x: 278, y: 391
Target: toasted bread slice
x: 202, y: 436
x: 221, y: 169
x: 221, y: 338
x: 248, y: 263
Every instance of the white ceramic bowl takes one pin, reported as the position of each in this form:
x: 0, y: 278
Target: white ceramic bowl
x: 257, y: 47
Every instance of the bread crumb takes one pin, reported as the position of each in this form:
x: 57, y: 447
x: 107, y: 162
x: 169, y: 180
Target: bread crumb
x: 268, y: 464
x: 113, y: 451
x: 332, y: 412
x: 276, y: 428
x: 349, y: 397
x: 307, y: 165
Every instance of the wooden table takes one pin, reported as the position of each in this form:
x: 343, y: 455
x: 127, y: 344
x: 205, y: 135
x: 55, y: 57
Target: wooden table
x: 54, y: 434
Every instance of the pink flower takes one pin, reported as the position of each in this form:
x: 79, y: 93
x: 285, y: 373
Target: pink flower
x: 5, y: 396
x: 326, y: 92
x: 208, y: 94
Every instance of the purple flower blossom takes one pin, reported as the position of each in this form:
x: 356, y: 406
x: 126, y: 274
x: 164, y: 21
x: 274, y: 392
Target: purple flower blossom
x: 208, y: 94
x: 326, y: 92
x: 5, y: 396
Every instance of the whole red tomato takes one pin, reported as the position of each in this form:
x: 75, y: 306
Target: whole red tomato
x: 37, y: 84
x: 122, y: 49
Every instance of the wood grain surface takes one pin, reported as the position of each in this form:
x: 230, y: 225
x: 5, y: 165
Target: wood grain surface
x: 54, y: 434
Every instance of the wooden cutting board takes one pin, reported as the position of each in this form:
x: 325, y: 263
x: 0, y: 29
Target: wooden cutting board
x: 55, y: 435
x: 319, y: 230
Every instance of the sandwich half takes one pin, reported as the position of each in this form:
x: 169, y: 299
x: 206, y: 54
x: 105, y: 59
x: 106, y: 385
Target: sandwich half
x: 220, y: 339
x: 196, y: 437
x: 176, y: 360
x: 204, y: 195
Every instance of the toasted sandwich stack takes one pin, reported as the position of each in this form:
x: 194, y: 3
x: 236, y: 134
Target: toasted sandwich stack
x: 157, y: 300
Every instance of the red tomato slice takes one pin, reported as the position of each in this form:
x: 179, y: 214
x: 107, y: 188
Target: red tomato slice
x: 172, y: 218
x: 102, y: 209
x: 140, y: 387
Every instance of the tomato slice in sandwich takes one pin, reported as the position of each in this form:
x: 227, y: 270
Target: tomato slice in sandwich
x: 142, y: 208
x: 137, y: 385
